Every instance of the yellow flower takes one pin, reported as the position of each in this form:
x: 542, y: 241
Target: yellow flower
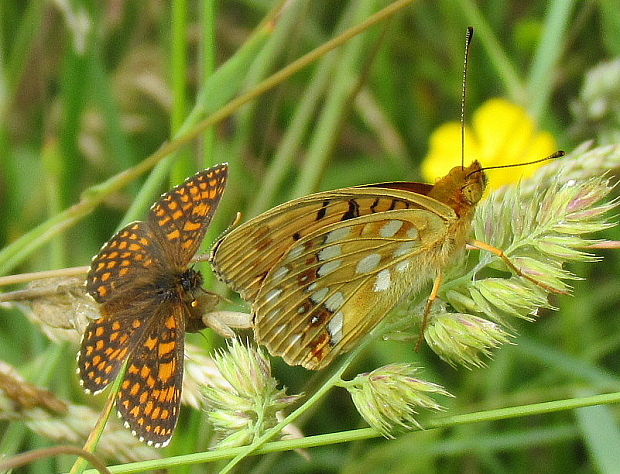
x: 503, y: 134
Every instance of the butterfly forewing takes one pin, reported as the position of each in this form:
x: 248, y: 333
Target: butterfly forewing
x: 335, y: 285
x: 264, y: 240
x: 150, y: 395
x: 126, y: 256
x: 323, y: 270
x: 182, y: 215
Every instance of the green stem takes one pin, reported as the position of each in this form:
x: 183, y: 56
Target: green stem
x: 497, y: 56
x: 97, y: 431
x: 28, y: 32
x: 39, y: 373
x: 290, y: 144
x: 333, y: 380
x: 542, y: 78
x: 179, y: 65
x: 347, y: 81
x: 347, y: 384
x: 53, y: 168
x: 369, y: 433
x: 242, y: 182
x: 207, y: 59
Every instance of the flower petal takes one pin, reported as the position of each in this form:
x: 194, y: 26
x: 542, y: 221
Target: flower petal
x: 503, y: 130
x: 503, y: 134
x: 445, y: 151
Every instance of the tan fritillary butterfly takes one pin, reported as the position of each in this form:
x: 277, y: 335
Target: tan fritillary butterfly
x: 149, y: 299
x: 323, y: 270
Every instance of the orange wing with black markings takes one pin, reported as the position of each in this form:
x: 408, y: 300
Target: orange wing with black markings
x: 106, y: 344
x: 182, y: 215
x: 150, y: 395
x: 126, y: 256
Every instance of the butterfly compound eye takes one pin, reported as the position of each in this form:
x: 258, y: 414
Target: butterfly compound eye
x: 474, y: 189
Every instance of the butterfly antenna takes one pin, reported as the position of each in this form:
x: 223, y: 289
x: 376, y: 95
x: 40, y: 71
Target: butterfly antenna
x: 553, y: 156
x: 468, y: 38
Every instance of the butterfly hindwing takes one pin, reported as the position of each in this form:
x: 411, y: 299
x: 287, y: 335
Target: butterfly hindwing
x: 333, y: 286
x: 106, y: 344
x: 322, y: 271
x: 150, y: 395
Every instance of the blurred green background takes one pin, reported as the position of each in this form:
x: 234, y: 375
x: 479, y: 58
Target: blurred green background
x: 89, y: 89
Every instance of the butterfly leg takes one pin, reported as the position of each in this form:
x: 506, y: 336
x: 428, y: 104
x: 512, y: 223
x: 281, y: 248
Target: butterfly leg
x: 437, y: 282
x: 222, y: 322
x: 501, y: 254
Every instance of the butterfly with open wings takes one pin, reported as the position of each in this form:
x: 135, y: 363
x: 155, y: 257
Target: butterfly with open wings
x: 149, y: 299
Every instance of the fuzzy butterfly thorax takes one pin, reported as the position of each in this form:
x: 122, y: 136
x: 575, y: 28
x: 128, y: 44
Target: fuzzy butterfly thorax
x: 185, y: 288
x: 190, y: 280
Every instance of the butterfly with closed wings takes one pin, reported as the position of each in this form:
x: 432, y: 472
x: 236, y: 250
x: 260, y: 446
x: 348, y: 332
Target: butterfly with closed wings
x: 323, y: 270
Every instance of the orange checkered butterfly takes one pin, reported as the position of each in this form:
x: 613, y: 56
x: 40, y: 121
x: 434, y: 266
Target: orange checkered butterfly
x: 149, y: 298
